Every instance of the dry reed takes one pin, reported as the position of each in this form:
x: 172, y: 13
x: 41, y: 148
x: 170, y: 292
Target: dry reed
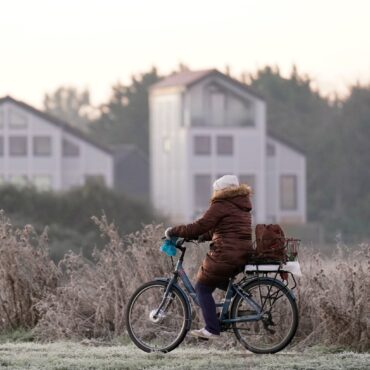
x: 84, y: 299
x: 91, y: 300
x: 334, y: 298
x: 27, y: 275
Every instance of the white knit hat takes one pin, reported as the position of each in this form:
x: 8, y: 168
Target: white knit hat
x: 226, y: 181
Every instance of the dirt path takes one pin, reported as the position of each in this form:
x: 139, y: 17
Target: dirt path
x: 69, y: 355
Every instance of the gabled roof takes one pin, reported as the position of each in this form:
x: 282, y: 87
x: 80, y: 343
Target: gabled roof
x: 184, y: 78
x: 189, y: 78
x: 285, y: 142
x: 65, y: 126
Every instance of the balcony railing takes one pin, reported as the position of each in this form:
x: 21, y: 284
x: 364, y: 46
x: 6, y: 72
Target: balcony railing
x: 204, y: 122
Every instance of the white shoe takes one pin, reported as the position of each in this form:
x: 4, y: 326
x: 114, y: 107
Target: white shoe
x: 203, y: 333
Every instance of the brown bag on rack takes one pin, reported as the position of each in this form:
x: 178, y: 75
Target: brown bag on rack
x: 270, y: 243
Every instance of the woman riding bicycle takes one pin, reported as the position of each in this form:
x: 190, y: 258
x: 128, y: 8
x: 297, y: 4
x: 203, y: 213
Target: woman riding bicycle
x: 227, y: 222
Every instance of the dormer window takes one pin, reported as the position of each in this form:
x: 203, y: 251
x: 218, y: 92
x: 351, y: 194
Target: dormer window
x: 218, y: 108
x: 223, y: 107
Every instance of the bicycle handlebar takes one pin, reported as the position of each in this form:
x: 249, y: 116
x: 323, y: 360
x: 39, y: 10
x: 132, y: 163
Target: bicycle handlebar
x: 179, y: 243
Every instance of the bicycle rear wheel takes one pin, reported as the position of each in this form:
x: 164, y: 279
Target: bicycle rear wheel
x: 279, y: 322
x: 162, y: 332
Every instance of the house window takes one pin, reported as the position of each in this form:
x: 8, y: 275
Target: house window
x: 202, y: 191
x: 70, y: 149
x: 18, y: 146
x: 42, y: 182
x: 202, y: 145
x: 18, y: 180
x: 225, y: 145
x: 1, y: 146
x: 270, y: 150
x: 288, y: 192
x: 17, y: 120
x: 41, y: 145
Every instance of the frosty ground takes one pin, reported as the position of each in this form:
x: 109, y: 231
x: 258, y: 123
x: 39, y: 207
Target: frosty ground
x: 70, y: 355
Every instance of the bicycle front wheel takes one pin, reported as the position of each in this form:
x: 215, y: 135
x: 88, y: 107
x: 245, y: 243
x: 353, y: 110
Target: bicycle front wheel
x: 152, y: 330
x: 279, y: 321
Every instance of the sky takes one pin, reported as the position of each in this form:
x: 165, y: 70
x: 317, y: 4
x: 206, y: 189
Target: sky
x: 93, y: 44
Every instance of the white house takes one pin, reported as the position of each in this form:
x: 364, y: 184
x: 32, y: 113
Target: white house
x: 204, y: 124
x: 39, y: 149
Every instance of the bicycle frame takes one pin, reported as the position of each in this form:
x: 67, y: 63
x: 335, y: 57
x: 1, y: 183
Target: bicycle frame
x: 232, y: 291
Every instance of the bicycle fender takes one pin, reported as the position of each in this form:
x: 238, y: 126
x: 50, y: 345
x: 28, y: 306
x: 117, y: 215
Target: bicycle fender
x: 290, y: 292
x: 186, y: 299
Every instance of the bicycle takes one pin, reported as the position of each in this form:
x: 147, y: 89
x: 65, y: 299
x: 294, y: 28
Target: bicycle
x: 261, y: 310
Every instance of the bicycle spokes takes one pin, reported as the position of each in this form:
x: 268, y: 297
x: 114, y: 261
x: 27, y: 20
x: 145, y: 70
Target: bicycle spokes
x: 278, y: 319
x: 155, y: 321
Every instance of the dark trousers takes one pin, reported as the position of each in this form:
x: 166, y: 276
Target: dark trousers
x: 208, y: 306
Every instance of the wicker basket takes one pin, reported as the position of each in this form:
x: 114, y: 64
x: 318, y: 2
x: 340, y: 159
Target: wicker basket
x: 288, y: 251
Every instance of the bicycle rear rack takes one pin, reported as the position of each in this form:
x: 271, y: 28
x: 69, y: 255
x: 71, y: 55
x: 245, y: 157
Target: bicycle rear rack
x: 262, y: 273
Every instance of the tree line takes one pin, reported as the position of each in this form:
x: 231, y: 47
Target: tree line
x: 334, y: 134
x: 68, y: 215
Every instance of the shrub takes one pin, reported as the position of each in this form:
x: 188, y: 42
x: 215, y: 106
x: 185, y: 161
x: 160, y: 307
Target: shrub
x: 334, y: 299
x: 68, y: 214
x: 27, y: 275
x: 91, y: 301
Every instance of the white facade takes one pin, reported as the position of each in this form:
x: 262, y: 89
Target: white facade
x: 41, y: 150
x: 204, y: 125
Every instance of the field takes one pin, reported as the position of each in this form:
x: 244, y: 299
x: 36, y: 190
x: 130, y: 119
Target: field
x: 86, y: 355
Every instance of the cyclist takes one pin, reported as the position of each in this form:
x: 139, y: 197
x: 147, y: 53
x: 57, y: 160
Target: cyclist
x: 227, y: 222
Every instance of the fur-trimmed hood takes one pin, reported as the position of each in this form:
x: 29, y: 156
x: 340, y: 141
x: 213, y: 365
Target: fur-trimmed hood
x: 239, y: 196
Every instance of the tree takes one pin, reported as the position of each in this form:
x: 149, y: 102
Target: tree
x: 125, y: 118
x: 301, y: 115
x: 70, y: 105
x: 68, y: 214
x: 353, y: 184
x: 335, y: 136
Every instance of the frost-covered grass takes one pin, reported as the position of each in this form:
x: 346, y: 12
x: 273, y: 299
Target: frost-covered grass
x: 72, y: 355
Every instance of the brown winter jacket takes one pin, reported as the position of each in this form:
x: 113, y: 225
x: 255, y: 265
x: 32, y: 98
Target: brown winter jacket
x: 227, y: 222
